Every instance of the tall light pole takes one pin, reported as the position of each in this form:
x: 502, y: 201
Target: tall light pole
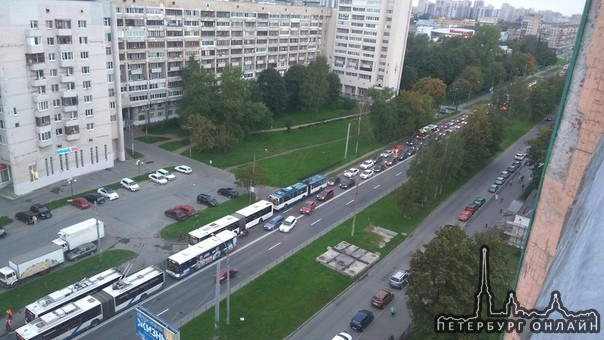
x: 217, y: 304
x: 148, y: 119
x: 70, y: 181
x: 348, y: 136
x: 354, y: 213
x: 132, y: 136
x: 252, y: 189
x: 361, y: 112
x: 228, y: 280
x: 98, y: 232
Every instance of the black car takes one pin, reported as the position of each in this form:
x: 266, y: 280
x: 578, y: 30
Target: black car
x: 26, y: 217
x: 95, y: 198
x: 379, y: 167
x: 228, y: 192
x: 206, y: 199
x: 361, y: 320
x: 333, y: 181
x: 377, y: 159
x: 176, y: 214
x: 41, y: 211
x: 390, y: 161
x: 347, y: 183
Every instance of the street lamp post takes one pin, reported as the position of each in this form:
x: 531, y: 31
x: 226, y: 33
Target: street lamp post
x: 228, y: 280
x: 354, y: 213
x: 132, y: 136
x: 98, y: 232
x: 139, y: 163
x: 70, y: 181
x: 217, y: 304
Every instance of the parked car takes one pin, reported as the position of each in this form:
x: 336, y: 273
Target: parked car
x: 186, y: 209
x: 512, y: 168
x: 500, y: 180
x: 464, y: 215
x: 274, y: 222
x: 157, y: 178
x: 347, y: 183
x: 95, y: 197
x: 223, y: 274
x: 26, y: 217
x: 382, y: 298
x: 207, y: 199
x: 377, y: 159
x: 308, y: 207
x: 184, y: 169
x: 41, y: 211
x: 351, y: 172
x: 505, y: 174
x: 367, y: 174
x: 129, y: 184
x: 379, y: 167
x: 517, y: 164
x: 333, y: 181
x: 399, y: 279
x: 519, y: 156
x: 493, y: 188
x: 480, y: 201
x: 108, y: 193
x: 367, y: 164
x: 3, y: 232
x: 325, y: 195
x: 386, y: 153
x: 166, y: 174
x: 390, y: 161
x: 398, y: 148
x: 228, y: 192
x: 361, y: 320
x: 288, y: 224
x: 472, y: 208
x: 176, y: 214
x: 81, y: 251
x: 342, y: 336
x: 81, y: 203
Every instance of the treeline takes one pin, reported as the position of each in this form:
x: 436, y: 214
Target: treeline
x: 218, y: 113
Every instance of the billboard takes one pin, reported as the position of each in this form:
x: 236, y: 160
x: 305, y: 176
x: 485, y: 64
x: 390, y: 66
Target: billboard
x: 151, y: 327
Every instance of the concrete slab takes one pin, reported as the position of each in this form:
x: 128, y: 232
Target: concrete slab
x: 348, y: 259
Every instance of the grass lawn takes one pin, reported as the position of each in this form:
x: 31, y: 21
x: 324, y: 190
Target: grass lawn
x: 514, y: 130
x: 31, y: 290
x: 297, y: 118
x: 152, y: 139
x: 135, y: 154
x: 5, y: 220
x: 174, y: 145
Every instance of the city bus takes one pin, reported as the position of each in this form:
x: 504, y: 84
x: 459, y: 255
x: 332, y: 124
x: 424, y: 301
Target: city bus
x: 254, y: 214
x: 315, y: 183
x: 193, y: 258
x: 285, y: 197
x: 71, y: 293
x: 226, y: 223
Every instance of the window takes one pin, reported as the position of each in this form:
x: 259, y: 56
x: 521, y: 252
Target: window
x: 110, y: 65
x: 33, y: 173
x: 59, y: 132
x: 73, y: 115
x: 54, y: 88
x: 43, y: 106
x: 108, y: 50
x: 53, y: 72
x: 81, y: 23
x: 42, y: 89
x: 66, y: 55
x: 45, y: 136
x: 112, y: 105
x: 84, y: 55
x: 33, y: 24
x: 69, y: 71
x: 86, y: 84
x: 88, y: 99
x: 107, y: 21
x: 83, y: 40
x: 40, y: 74
x: 90, y: 126
x: 58, y: 117
x: 70, y: 86
x: 50, y: 41
x: 48, y: 23
x: 110, y: 78
x: 43, y: 121
x: 52, y: 56
x: 56, y: 102
x: 85, y: 69
x: 89, y: 113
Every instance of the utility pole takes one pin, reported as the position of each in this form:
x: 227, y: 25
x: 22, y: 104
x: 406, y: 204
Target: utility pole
x: 217, y: 304
x: 354, y: 214
x: 98, y: 233
x: 252, y: 189
x: 361, y: 112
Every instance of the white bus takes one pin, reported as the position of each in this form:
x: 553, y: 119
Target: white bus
x: 127, y: 292
x: 64, y: 322
x: 285, y: 197
x: 255, y: 213
x: 71, y: 293
x: 226, y: 223
x: 193, y: 258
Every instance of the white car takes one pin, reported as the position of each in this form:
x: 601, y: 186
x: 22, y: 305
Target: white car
x: 129, y: 184
x: 108, y: 193
x: 165, y: 174
x: 367, y: 164
x: 367, y: 174
x: 351, y: 172
x: 386, y: 153
x: 342, y: 336
x: 288, y: 224
x: 519, y: 156
x: 183, y: 169
x: 157, y: 178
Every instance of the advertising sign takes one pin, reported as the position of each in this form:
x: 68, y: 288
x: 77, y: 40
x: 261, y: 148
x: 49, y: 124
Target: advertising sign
x: 150, y: 327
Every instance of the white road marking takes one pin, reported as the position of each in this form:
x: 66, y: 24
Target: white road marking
x: 271, y: 248
x: 288, y: 210
x: 400, y: 173
x: 349, y: 202
x: 165, y: 310
x: 377, y: 186
x: 315, y: 222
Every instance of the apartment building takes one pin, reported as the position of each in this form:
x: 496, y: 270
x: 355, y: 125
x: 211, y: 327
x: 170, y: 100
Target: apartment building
x: 58, y: 106
x: 531, y: 25
x: 369, y: 44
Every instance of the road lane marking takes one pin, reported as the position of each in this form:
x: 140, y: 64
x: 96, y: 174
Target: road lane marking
x: 271, y: 248
x: 288, y: 210
x: 400, y: 173
x: 165, y: 310
x: 377, y: 186
x: 315, y: 222
x: 349, y: 202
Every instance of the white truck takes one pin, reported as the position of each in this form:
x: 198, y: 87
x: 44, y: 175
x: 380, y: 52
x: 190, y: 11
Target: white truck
x: 35, y: 262
x: 84, y: 232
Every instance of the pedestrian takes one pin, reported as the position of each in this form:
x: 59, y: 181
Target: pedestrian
x: 9, y: 324
x: 9, y: 314
x: 501, y: 211
x: 510, y: 183
x: 501, y: 200
x: 521, y: 178
x: 392, y: 310
x: 35, y: 219
x: 486, y: 225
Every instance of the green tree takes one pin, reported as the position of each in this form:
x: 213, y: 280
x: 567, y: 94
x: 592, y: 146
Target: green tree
x: 313, y: 92
x: 273, y: 90
x: 458, y: 90
x: 334, y: 87
x: 432, y: 87
x: 200, y: 89
x: 446, y: 275
x: 475, y: 77
x: 202, y: 132
x: 476, y: 135
x: 413, y: 111
x: 294, y: 77
x: 537, y: 152
x: 383, y: 116
x: 250, y: 175
x: 409, y: 77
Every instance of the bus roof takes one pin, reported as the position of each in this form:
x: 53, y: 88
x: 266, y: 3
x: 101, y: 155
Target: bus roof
x: 254, y: 208
x: 80, y: 287
x: 203, y: 246
x: 314, y: 179
x: 208, y: 228
x: 285, y: 191
x: 49, y: 320
x: 133, y: 280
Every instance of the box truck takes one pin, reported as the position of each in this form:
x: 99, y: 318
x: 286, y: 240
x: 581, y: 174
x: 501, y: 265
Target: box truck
x: 80, y: 233
x: 37, y: 261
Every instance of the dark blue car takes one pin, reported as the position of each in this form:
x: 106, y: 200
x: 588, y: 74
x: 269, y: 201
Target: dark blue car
x: 274, y: 222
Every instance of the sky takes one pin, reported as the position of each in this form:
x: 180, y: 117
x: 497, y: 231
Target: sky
x: 566, y: 7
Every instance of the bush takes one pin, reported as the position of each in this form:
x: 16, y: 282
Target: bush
x: 289, y: 124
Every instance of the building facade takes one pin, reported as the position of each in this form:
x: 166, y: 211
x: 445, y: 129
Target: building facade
x: 369, y: 45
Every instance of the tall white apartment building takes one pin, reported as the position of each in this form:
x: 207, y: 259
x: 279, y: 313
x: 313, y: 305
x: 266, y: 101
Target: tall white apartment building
x: 369, y: 45
x: 58, y: 105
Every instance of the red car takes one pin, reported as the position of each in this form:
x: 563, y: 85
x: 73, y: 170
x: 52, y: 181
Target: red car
x: 186, y: 209
x: 464, y: 216
x: 223, y: 274
x: 325, y: 194
x: 308, y: 207
x: 472, y: 208
x: 81, y: 203
x: 398, y: 149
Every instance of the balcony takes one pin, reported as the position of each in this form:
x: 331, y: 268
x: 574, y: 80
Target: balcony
x: 223, y: 64
x: 73, y: 136
x: 69, y: 93
x: 44, y: 143
x: 156, y: 70
x: 174, y: 68
x: 33, y: 66
x: 68, y: 79
x: 38, y: 81
x: 64, y: 31
x: 72, y: 122
x: 208, y: 66
x: 137, y: 71
x: 66, y: 63
x: 70, y: 108
x: 39, y: 97
x: 33, y: 49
